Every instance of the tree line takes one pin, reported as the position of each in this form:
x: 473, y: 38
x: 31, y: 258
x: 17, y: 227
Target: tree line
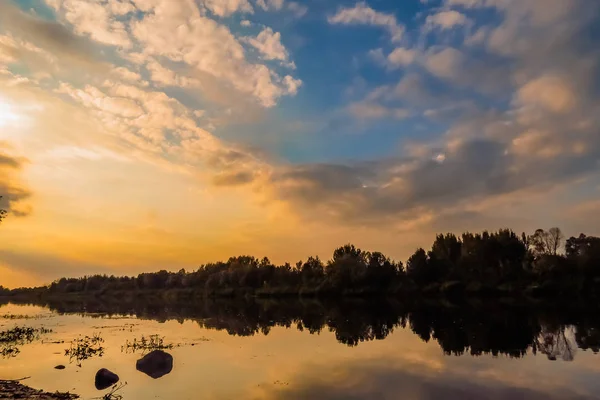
x: 487, y: 263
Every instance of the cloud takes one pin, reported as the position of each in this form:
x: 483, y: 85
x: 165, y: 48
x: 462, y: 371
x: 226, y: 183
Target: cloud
x: 295, y: 8
x: 12, y: 192
x: 550, y: 92
x: 127, y: 75
x: 468, y: 170
x: 464, y: 3
x: 400, y: 57
x: 49, y: 36
x: 268, y: 43
x: 233, y: 178
x: 298, y: 9
x: 270, y: 4
x: 528, y: 23
x: 445, y: 20
x: 362, y: 14
x: 93, y: 98
x: 365, y: 110
x: 415, y: 379
x: 96, y: 20
x: 162, y: 76
x: 224, y: 8
x: 447, y: 63
x: 208, y: 47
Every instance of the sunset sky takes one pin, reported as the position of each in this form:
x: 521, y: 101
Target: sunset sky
x: 138, y: 135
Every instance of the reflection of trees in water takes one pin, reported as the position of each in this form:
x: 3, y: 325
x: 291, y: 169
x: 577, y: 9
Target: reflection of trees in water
x: 556, y: 343
x: 588, y: 337
x: 491, y: 329
x: 475, y: 332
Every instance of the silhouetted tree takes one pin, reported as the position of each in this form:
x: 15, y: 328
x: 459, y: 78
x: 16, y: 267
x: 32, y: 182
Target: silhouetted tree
x: 312, y: 270
x: 419, y: 268
x: 2, y: 213
x: 546, y: 242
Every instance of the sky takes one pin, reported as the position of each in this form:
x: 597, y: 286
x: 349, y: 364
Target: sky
x: 138, y: 135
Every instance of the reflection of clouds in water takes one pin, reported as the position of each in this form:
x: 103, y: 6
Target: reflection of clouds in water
x: 384, y: 380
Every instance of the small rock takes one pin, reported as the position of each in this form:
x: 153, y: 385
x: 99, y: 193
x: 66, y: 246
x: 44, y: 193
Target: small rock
x: 60, y: 367
x: 155, y: 364
x: 105, y: 379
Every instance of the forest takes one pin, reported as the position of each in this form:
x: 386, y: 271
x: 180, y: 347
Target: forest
x: 499, y: 264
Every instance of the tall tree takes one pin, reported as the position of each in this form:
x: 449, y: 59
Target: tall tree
x: 555, y: 238
x: 546, y: 242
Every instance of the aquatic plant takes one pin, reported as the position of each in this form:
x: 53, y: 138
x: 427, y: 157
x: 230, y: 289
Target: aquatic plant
x: 151, y: 343
x: 11, y: 339
x: 9, y: 350
x: 84, y: 348
x: 18, y: 316
x: 113, y: 395
x: 22, y: 334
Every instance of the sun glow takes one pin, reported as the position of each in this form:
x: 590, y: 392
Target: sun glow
x: 7, y: 113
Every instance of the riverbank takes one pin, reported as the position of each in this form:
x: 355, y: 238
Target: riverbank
x: 10, y: 390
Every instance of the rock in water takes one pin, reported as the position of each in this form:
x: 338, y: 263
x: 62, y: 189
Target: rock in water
x: 105, y: 379
x: 155, y: 364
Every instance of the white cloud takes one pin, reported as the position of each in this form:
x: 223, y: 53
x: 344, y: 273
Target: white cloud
x: 93, y: 98
x: 401, y: 56
x: 127, y: 75
x: 362, y: 14
x: 183, y: 35
x: 165, y: 77
x: 245, y: 23
x: 398, y: 58
x: 550, y: 92
x: 447, y: 19
x: 268, y: 43
x: 93, y: 18
x: 224, y: 8
x: 292, y: 85
x: 464, y: 3
x: 298, y: 9
x: 270, y: 4
x: 446, y: 63
x: 121, y: 7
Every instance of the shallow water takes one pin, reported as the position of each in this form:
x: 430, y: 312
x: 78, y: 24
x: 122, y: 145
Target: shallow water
x: 262, y: 354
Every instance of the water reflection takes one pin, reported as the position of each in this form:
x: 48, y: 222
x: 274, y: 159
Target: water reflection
x: 475, y: 329
x: 382, y: 379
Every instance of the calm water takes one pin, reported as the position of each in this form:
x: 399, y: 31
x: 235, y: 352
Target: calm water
x: 314, y: 351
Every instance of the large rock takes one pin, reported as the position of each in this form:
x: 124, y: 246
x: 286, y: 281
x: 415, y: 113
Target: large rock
x: 105, y: 379
x: 155, y: 364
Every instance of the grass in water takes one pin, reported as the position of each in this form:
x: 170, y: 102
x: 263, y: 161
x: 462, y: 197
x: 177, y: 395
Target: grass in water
x: 11, y: 339
x: 146, y: 344
x: 18, y: 316
x: 113, y: 395
x: 84, y: 348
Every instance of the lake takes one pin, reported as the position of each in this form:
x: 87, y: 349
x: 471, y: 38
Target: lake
x: 314, y: 350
